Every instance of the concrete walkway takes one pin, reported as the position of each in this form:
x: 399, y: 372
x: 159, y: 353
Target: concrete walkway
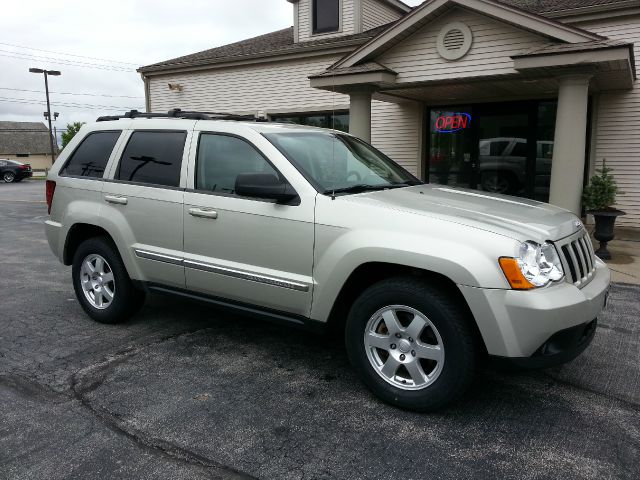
x: 625, y: 253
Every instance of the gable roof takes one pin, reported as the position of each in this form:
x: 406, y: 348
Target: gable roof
x: 275, y: 43
x: 24, y: 137
x: 430, y: 9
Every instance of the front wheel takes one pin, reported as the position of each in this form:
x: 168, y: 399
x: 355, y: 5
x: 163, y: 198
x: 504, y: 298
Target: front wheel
x: 411, y: 343
x: 102, y: 284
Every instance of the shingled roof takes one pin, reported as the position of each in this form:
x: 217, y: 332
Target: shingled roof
x: 24, y: 137
x: 271, y: 44
x: 556, y: 6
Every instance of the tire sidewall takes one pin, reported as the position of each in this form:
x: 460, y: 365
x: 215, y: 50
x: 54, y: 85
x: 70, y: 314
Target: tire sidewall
x: 117, y: 311
x: 459, y: 358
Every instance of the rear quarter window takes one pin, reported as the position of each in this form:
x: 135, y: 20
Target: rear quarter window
x: 153, y: 157
x: 90, y: 158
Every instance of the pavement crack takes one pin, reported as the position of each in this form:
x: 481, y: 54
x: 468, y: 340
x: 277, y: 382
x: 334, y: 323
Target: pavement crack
x: 88, y: 379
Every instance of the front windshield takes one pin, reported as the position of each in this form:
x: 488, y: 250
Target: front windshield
x: 335, y: 162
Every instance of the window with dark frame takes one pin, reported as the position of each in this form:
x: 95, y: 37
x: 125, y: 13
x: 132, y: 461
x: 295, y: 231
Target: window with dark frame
x: 221, y: 158
x: 338, y: 120
x: 90, y: 157
x: 153, y: 157
x: 326, y: 16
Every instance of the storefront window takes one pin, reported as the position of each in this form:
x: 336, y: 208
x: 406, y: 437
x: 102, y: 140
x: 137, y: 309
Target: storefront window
x: 337, y: 120
x: 500, y: 148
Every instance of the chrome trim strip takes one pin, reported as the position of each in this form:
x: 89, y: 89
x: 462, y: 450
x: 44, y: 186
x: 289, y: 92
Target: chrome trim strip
x: 230, y: 272
x: 159, y: 257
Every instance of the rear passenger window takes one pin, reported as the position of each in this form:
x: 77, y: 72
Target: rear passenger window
x: 153, y: 157
x: 91, y: 157
x: 222, y: 158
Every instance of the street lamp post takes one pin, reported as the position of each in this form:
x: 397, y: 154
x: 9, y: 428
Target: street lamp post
x: 46, y: 89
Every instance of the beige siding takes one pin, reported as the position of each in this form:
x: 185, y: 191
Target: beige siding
x: 416, y: 58
x: 376, y: 13
x: 305, y: 22
x: 271, y: 87
x: 617, y: 129
x: 396, y: 130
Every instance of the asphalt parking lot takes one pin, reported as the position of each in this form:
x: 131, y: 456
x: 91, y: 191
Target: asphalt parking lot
x: 184, y: 391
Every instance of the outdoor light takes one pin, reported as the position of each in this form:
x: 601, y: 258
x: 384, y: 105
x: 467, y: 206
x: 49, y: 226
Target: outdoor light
x: 46, y: 73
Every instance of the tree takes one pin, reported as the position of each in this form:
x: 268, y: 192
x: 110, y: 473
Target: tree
x: 601, y: 192
x: 72, y: 129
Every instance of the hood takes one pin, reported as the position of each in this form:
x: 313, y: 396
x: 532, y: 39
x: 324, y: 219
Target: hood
x: 515, y: 217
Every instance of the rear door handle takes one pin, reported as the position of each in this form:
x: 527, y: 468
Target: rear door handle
x: 116, y: 199
x: 203, y: 213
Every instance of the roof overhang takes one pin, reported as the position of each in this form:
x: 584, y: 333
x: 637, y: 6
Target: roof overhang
x: 433, y: 8
x: 350, y: 80
x: 613, y: 67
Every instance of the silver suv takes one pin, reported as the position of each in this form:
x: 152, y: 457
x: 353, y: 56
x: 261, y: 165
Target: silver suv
x: 317, y: 229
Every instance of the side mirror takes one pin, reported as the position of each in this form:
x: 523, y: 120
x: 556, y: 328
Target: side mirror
x: 264, y: 185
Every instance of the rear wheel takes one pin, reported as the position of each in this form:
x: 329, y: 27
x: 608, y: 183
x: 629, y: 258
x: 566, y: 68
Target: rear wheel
x: 411, y: 344
x: 8, y: 177
x: 102, y: 285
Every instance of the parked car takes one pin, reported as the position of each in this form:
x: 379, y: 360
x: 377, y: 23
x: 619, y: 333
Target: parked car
x: 503, y: 165
x: 317, y: 229
x: 13, y: 171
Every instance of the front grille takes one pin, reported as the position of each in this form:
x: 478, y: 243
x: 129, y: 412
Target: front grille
x: 578, y: 259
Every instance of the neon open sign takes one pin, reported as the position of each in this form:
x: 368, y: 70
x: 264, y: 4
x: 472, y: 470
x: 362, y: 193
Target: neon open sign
x: 453, y: 122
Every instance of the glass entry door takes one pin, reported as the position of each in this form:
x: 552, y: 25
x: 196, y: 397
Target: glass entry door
x: 502, y: 147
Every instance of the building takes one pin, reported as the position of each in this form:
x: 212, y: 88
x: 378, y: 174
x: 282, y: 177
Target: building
x: 525, y: 97
x: 26, y: 142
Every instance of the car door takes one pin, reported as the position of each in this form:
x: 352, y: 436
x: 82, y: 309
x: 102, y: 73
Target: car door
x: 242, y: 249
x: 143, y: 200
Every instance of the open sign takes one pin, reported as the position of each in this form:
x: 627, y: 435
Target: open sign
x: 452, y: 122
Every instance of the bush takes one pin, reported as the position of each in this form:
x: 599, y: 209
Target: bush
x: 601, y: 192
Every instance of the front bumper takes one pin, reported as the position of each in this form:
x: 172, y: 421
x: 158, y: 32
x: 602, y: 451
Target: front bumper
x: 517, y: 324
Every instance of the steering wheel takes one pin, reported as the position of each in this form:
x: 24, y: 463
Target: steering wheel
x: 355, y: 174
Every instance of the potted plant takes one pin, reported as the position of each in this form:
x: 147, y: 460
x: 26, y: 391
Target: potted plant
x: 598, y: 198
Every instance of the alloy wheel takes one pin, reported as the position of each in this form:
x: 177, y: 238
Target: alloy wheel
x: 96, y: 278
x: 404, y: 347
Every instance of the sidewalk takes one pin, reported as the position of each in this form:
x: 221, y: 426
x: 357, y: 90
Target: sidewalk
x: 625, y: 253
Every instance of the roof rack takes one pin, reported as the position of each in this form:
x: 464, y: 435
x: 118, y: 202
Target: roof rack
x: 178, y: 113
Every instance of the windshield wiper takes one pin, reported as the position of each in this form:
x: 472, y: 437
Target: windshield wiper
x: 361, y: 187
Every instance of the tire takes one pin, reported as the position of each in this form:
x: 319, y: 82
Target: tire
x: 446, y: 349
x: 115, y: 283
x: 499, y: 182
x: 8, y: 177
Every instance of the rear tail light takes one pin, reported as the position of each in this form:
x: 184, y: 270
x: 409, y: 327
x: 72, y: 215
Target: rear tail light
x: 24, y: 167
x: 50, y: 190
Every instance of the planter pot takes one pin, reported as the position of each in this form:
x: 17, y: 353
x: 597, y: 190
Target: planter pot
x: 605, y: 220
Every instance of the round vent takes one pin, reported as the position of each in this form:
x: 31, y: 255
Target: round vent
x: 454, y: 41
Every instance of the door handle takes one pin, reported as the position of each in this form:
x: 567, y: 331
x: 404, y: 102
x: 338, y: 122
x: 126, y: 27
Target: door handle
x: 203, y: 213
x: 115, y: 199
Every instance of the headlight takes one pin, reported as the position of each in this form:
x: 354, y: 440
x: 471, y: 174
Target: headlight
x: 535, y: 266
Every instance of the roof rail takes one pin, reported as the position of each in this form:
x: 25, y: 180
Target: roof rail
x: 178, y: 113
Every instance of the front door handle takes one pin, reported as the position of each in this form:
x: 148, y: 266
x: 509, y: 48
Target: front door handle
x: 203, y: 213
x: 115, y: 199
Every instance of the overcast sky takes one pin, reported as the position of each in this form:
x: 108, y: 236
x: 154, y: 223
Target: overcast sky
x: 86, y: 40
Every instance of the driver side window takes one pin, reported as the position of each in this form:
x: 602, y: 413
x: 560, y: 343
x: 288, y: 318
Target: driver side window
x: 221, y: 158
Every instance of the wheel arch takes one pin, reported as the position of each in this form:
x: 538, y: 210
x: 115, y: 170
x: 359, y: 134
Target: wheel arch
x: 78, y: 233
x: 370, y: 273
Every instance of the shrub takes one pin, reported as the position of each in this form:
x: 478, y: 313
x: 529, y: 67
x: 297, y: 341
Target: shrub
x: 600, y: 193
